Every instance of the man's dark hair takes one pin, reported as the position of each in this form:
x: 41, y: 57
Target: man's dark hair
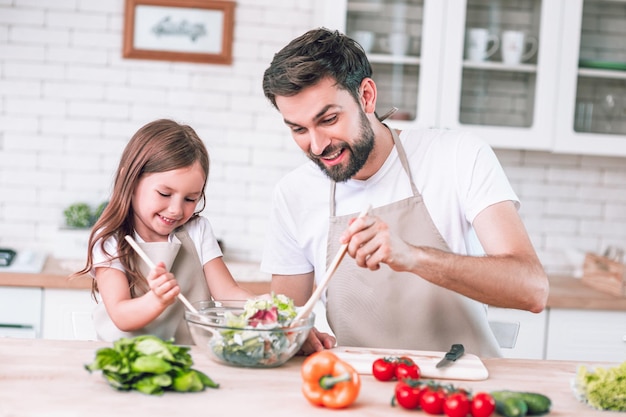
x: 316, y: 55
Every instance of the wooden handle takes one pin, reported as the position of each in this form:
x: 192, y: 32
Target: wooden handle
x: 152, y: 265
x: 306, y: 309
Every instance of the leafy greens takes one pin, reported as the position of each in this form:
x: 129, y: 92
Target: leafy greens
x: 149, y: 365
x: 603, y: 388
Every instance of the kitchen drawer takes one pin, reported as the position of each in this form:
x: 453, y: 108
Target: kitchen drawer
x: 20, y: 312
x: 586, y: 335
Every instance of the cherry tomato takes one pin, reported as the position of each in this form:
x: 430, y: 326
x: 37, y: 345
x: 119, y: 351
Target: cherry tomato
x: 408, y: 394
x: 384, y: 369
x: 482, y: 405
x: 432, y: 400
x: 456, y: 405
x: 406, y: 368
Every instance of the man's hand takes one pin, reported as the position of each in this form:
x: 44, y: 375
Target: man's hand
x: 371, y: 243
x: 317, y: 341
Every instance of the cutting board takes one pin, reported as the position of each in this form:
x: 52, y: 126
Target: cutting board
x: 468, y: 367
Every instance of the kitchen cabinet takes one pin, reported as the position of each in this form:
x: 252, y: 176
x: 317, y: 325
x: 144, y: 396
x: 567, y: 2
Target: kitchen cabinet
x: 585, y: 335
x: 533, y: 104
x: 20, y: 312
x: 530, y: 342
x: 67, y: 314
x: 566, y: 334
x: 592, y: 83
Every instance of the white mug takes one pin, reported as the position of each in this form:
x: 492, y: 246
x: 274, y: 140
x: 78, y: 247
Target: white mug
x: 397, y: 43
x: 477, y: 44
x: 365, y: 38
x: 517, y: 47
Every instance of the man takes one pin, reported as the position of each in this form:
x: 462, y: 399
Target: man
x: 416, y: 277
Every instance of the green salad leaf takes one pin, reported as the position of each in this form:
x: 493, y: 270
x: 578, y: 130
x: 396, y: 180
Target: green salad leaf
x: 603, y: 388
x: 149, y: 365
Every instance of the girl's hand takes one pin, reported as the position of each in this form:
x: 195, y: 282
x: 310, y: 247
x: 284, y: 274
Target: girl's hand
x: 163, y: 285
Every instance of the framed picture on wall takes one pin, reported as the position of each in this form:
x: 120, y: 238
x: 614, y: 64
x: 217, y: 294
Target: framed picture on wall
x: 179, y: 30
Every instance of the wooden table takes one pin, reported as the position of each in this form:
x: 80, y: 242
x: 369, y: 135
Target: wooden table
x: 47, y: 378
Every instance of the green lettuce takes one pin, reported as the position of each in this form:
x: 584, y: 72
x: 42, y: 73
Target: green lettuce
x: 603, y: 388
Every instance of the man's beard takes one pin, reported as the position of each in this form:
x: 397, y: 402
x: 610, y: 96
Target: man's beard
x: 359, y: 153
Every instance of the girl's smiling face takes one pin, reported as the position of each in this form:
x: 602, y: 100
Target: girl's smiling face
x: 163, y: 201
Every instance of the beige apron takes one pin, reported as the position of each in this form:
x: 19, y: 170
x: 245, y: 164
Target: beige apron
x: 389, y: 309
x: 183, y: 261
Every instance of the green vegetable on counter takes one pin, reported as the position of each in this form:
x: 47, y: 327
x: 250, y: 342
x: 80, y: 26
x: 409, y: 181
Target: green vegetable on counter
x: 603, y: 388
x: 149, y: 365
x: 519, y: 403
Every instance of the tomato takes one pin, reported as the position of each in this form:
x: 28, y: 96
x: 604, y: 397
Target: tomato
x: 408, y: 394
x: 384, y: 369
x: 456, y: 405
x: 406, y: 368
x: 482, y: 405
x: 432, y: 400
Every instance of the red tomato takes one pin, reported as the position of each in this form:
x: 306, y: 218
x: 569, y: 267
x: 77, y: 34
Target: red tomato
x: 432, y: 400
x: 456, y: 405
x: 408, y: 394
x: 482, y: 405
x: 384, y: 369
x: 406, y: 368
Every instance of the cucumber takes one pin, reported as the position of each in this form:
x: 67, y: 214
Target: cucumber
x: 511, y: 407
x: 508, y: 403
x: 537, y: 403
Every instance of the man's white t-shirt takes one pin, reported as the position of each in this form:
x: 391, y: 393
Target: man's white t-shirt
x: 457, y: 174
x: 200, y: 232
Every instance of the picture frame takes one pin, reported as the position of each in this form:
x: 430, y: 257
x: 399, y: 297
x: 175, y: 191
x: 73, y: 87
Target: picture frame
x: 198, y: 31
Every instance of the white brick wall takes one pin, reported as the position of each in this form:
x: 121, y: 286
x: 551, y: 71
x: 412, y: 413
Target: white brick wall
x: 69, y: 103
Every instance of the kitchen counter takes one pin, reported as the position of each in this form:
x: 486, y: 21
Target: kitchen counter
x: 56, y: 272
x: 46, y: 377
x: 565, y: 292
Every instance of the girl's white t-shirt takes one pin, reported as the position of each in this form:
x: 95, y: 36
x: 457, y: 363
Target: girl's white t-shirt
x: 200, y: 232
x: 457, y: 174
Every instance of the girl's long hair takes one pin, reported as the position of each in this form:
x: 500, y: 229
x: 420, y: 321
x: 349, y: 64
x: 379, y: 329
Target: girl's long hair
x: 159, y: 146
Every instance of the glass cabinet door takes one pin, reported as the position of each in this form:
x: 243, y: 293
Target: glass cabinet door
x: 393, y: 33
x: 390, y: 32
x: 500, y: 70
x: 601, y: 86
x: 594, y: 120
x: 499, y: 77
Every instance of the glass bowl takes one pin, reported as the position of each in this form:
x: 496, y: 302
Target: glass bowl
x: 216, y: 330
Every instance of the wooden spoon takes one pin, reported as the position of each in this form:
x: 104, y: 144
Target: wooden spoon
x: 306, y: 309
x: 152, y: 265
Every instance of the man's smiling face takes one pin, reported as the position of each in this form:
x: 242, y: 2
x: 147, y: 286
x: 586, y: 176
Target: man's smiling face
x: 330, y: 127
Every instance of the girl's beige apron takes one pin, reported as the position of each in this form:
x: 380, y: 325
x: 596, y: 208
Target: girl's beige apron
x: 389, y: 309
x: 181, y: 258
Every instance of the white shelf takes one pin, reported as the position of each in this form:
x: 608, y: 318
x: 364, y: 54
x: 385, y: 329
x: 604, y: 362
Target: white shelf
x: 601, y: 73
x: 500, y: 66
x: 393, y: 59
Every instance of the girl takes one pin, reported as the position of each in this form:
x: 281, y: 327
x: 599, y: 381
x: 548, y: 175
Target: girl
x: 159, y: 183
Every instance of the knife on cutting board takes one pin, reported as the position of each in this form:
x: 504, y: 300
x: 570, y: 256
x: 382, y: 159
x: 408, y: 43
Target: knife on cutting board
x: 468, y: 367
x: 456, y: 351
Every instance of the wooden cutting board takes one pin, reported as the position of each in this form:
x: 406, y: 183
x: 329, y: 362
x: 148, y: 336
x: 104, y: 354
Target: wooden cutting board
x: 468, y: 367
